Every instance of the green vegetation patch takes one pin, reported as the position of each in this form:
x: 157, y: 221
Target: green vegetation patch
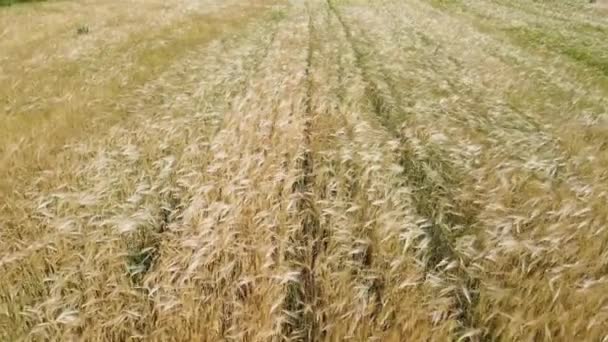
x: 580, y: 43
x: 14, y: 2
x: 580, y: 49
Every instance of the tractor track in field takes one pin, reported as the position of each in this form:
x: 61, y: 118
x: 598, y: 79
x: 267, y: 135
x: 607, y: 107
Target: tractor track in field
x: 303, y: 294
x: 441, y: 250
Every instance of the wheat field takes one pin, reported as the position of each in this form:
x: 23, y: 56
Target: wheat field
x: 304, y: 170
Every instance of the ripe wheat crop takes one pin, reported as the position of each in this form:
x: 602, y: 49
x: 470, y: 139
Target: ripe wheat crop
x: 304, y: 170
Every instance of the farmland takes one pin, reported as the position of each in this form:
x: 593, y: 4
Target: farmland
x: 304, y: 170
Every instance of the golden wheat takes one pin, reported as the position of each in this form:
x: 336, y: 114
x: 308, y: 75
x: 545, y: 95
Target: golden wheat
x: 304, y: 170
